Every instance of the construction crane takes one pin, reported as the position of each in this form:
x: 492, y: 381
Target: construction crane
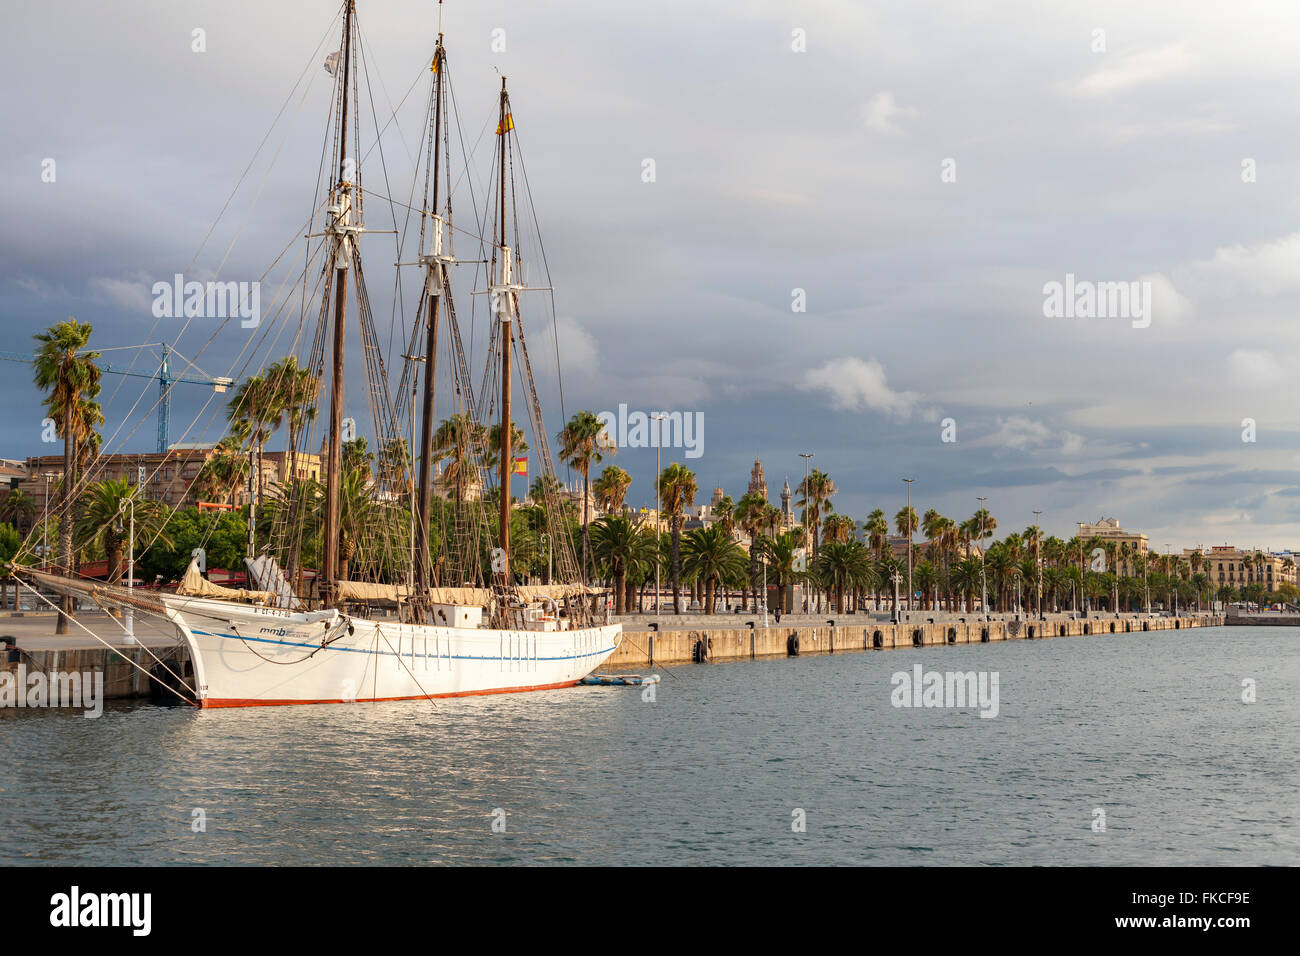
x: 163, y: 375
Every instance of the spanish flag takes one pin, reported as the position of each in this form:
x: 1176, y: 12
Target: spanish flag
x: 520, y: 467
x: 508, y: 124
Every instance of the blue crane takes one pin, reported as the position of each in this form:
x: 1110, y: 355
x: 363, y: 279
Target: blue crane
x: 164, y: 376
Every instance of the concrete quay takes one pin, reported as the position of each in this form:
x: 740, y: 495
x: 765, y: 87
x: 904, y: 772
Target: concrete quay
x: 729, y: 640
x: 28, y: 639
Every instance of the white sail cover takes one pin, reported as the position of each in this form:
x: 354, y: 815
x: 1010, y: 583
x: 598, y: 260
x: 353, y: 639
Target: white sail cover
x: 268, y: 575
x: 481, y: 597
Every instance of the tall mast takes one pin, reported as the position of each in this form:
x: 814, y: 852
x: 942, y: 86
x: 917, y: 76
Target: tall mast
x: 340, y: 227
x: 505, y: 304
x: 434, y: 282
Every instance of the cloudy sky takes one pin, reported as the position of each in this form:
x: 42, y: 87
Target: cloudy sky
x: 919, y: 170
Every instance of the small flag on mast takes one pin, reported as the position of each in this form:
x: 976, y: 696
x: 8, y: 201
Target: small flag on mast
x: 508, y: 123
x: 520, y: 467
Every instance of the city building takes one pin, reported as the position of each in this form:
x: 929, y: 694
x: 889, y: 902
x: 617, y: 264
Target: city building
x: 757, y: 483
x: 1110, y: 532
x: 171, y: 477
x: 1225, y: 564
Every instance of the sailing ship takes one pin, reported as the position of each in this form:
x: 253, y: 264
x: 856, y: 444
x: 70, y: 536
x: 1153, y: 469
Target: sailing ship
x: 434, y: 609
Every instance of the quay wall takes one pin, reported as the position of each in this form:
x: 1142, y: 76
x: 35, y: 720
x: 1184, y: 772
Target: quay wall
x: 1264, y: 619
x: 644, y: 647
x: 121, y: 678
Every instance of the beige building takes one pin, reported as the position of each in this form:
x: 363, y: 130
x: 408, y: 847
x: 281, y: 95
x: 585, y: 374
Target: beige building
x: 1224, y: 564
x: 1110, y: 532
x: 171, y: 477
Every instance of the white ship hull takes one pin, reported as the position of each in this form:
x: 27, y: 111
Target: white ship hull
x: 248, y: 656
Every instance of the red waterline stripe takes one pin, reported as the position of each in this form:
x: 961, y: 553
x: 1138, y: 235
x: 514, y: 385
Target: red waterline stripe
x: 253, y: 702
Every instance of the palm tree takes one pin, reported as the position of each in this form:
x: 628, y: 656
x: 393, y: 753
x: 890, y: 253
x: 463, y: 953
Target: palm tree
x: 293, y: 389
x: 68, y: 373
x: 677, y: 490
x: 544, y: 488
x: 815, y: 493
x: 966, y: 579
x: 838, y: 528
x: 223, y: 471
x: 18, y: 509
x: 845, y: 566
x: 357, y: 513
x: 926, y: 578
x: 492, y: 457
x: 611, y: 488
x: 456, y: 440
x: 617, y: 543
x: 256, y: 409
x: 779, y: 554
x: 876, y: 528
x: 711, y: 557
x: 578, y: 446
x: 104, y: 517
x: 887, y: 568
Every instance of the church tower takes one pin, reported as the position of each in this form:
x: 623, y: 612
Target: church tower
x: 757, y: 483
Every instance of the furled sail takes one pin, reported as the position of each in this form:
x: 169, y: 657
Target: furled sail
x: 472, y: 597
x: 194, y: 584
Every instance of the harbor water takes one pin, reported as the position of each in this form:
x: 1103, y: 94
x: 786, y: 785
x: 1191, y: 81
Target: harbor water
x: 798, y: 761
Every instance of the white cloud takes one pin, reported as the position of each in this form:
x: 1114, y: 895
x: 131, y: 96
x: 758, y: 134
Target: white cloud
x: 1022, y: 434
x: 1267, y: 267
x: 882, y: 114
x: 577, y: 346
x: 1135, y: 69
x: 854, y: 385
x: 129, y: 294
x: 1255, y: 368
x: 1168, y: 306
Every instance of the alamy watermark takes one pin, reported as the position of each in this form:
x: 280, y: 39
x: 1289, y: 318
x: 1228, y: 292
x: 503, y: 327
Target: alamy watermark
x: 950, y: 689
x: 654, y: 430
x: 208, y: 300
x: 58, y: 689
x: 1083, y: 299
x: 74, y: 908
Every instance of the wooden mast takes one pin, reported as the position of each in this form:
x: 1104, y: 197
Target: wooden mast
x: 340, y: 257
x: 505, y: 305
x: 434, y: 283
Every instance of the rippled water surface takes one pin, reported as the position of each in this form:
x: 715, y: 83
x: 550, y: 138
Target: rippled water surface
x: 1149, y: 727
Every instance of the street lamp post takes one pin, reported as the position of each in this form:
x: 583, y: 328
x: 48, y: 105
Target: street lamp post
x: 1038, y: 559
x: 1080, y: 600
x: 984, y: 596
x: 45, y: 519
x: 129, y: 504
x: 658, y: 510
x: 807, y: 538
x: 909, y: 542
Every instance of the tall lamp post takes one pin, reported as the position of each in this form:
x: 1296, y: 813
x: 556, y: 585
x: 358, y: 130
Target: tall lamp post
x: 984, y: 596
x: 807, y: 537
x: 129, y: 504
x: 658, y: 511
x: 1080, y: 600
x: 909, y: 542
x: 45, y: 520
x: 1038, y: 559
